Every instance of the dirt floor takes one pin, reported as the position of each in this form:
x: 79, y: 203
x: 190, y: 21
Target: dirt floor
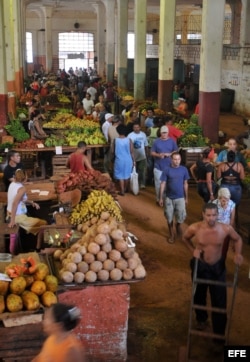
x: 160, y: 305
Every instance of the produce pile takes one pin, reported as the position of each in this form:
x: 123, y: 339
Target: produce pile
x: 193, y: 134
x: 76, y: 130
x: 105, y: 252
x: 96, y: 203
x: 15, y: 129
x: 86, y: 181
x: 29, y: 144
x: 30, y: 286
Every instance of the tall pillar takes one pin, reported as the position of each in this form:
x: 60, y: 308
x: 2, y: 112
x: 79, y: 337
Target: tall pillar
x: 100, y: 39
x: 9, y: 31
x: 166, y: 54
x: 122, y: 42
x: 18, y: 46
x: 210, y: 65
x: 140, y: 49
x: 3, y: 74
x: 47, y: 10
x: 110, y: 39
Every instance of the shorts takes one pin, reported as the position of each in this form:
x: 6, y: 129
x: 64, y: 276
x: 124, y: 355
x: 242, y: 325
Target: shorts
x: 30, y: 224
x: 175, y: 208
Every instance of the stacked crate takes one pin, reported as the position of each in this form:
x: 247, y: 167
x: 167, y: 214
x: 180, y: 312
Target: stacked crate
x: 59, y: 165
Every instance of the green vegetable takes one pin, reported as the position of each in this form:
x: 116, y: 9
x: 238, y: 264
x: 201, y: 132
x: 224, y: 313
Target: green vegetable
x: 15, y: 129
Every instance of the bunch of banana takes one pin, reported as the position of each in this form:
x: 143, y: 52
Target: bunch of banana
x: 96, y: 202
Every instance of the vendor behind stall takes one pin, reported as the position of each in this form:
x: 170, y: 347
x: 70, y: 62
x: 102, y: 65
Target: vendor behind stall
x: 35, y: 125
x: 78, y: 161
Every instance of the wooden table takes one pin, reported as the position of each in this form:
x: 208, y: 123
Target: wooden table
x: 65, y: 150
x: 36, y: 191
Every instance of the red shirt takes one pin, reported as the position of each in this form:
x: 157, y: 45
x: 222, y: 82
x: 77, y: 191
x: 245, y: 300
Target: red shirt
x: 76, y: 162
x: 174, y: 132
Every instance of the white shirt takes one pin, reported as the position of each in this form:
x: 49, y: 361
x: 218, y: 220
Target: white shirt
x: 92, y: 91
x: 105, y: 128
x: 87, y: 105
x: 140, y: 142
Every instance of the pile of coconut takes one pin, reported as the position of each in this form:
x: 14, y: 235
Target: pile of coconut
x: 106, y: 251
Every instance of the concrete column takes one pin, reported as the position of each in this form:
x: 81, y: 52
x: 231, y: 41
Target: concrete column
x: 3, y: 74
x: 140, y: 49
x: 210, y: 65
x: 100, y: 39
x: 47, y: 10
x: 9, y: 35
x: 122, y: 42
x: 166, y: 54
x: 18, y: 46
x: 110, y: 39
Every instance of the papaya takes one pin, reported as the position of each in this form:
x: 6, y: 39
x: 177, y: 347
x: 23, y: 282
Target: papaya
x: 38, y: 287
x: 41, y: 271
x: 14, y: 303
x: 29, y: 265
x: 30, y: 300
x: 4, y: 286
x: 51, y: 283
x: 17, y: 285
x: 48, y: 298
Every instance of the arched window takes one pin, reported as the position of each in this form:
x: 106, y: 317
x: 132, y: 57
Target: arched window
x: 29, y: 48
x: 76, y: 49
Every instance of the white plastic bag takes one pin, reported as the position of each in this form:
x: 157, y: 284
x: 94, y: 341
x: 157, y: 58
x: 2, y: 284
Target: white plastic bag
x: 134, y: 184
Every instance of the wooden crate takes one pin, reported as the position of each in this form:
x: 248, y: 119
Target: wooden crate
x: 59, y: 165
x: 7, y: 139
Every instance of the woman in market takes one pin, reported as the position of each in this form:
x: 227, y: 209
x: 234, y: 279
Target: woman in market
x: 226, y: 213
x: 231, y: 146
x: 17, y: 210
x: 123, y: 156
x: 61, y: 344
x: 202, y: 172
x: 232, y: 174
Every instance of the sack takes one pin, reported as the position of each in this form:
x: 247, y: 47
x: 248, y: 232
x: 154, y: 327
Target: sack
x: 134, y: 184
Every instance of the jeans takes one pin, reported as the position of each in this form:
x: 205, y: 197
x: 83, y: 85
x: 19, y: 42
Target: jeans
x: 141, y: 167
x: 157, y: 180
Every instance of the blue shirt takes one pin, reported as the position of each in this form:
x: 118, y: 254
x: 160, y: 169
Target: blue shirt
x: 163, y: 146
x: 175, y: 177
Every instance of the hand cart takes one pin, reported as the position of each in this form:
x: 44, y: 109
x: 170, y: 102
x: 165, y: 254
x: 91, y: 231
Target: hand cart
x: 185, y: 351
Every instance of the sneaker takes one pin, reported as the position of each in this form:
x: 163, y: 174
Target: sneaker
x: 142, y: 187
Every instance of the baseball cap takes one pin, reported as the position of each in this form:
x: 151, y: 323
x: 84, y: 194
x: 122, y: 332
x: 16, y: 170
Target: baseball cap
x: 108, y: 115
x: 164, y: 129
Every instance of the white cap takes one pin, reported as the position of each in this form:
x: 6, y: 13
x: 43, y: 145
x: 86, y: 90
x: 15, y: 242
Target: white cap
x: 108, y: 115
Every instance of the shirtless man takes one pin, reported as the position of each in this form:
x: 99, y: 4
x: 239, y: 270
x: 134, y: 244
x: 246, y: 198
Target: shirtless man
x: 209, y: 237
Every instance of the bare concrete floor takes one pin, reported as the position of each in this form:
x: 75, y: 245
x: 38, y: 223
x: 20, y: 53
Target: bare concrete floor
x: 160, y: 305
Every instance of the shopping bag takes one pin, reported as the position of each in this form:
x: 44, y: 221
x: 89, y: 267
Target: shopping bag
x: 134, y: 184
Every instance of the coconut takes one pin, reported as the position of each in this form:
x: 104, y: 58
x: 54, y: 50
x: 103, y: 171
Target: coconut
x: 67, y: 277
x: 89, y: 258
x: 82, y: 250
x: 114, y: 255
x: 105, y: 215
x: 103, y: 228
x: 93, y: 248
x: 83, y: 267
x: 121, y: 264
x: 96, y: 266
x: 121, y: 245
x: 116, y: 234
x: 108, y: 264
x: 103, y: 275
x: 107, y: 247
x: 72, y: 267
x: 101, y: 255
x: 57, y: 254
x: 115, y: 274
x: 90, y: 276
x: 127, y: 274
x: 140, y: 272
x: 132, y: 263
x: 100, y: 239
x: 76, y: 257
x: 78, y: 277
x: 129, y: 253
